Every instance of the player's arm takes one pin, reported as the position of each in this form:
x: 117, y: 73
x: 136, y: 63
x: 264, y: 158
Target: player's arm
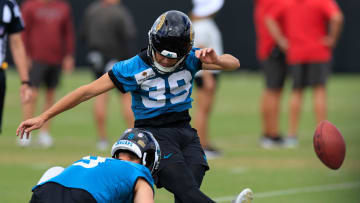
x: 19, y: 55
x: 143, y: 192
x: 72, y: 99
x: 211, y: 61
x: 335, y: 27
x: 275, y: 31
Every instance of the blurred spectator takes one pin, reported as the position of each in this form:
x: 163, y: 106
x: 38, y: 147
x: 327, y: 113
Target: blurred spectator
x: 49, y: 41
x: 273, y: 65
x: 109, y: 30
x: 11, y: 25
x: 312, y: 28
x: 207, y: 34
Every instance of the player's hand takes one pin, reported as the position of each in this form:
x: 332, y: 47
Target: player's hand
x: 329, y: 42
x: 283, y: 44
x: 25, y: 93
x: 207, y: 55
x: 29, y: 125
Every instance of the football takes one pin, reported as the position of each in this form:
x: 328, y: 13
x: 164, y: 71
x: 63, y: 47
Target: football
x: 329, y: 145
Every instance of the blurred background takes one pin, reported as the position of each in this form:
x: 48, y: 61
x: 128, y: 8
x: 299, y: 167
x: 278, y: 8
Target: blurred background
x: 235, y: 20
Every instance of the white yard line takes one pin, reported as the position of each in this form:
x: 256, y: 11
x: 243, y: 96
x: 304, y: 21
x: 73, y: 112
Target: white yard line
x: 319, y: 188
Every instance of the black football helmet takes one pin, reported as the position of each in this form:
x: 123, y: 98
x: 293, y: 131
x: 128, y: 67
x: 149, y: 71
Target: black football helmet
x: 143, y: 144
x: 171, y: 36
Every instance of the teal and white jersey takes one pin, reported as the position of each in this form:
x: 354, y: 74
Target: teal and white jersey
x: 106, y: 179
x: 152, y: 93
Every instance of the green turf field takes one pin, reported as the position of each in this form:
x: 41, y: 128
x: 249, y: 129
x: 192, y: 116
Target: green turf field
x: 281, y: 175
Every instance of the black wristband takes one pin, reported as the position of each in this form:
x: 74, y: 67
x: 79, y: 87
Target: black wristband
x: 25, y: 83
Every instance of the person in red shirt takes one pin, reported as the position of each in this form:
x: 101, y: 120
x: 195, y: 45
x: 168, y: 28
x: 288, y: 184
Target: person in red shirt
x: 49, y: 41
x: 273, y: 64
x: 311, y: 29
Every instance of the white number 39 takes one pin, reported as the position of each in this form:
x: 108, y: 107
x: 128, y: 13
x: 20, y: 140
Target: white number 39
x: 157, y: 90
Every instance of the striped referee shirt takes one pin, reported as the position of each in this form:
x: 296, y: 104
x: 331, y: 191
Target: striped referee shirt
x: 10, y: 22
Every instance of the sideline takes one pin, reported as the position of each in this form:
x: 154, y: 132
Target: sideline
x: 319, y: 188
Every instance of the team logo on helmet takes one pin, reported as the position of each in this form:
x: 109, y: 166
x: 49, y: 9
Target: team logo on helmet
x: 191, y: 33
x: 141, y: 143
x: 161, y: 22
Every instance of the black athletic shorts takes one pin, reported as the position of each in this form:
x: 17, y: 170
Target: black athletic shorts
x: 41, y: 73
x: 275, y: 69
x: 199, y: 82
x: 2, y: 94
x: 314, y: 74
x: 55, y: 193
x: 178, y: 145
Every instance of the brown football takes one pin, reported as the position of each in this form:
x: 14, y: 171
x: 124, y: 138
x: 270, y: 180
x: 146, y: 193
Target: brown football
x: 329, y: 145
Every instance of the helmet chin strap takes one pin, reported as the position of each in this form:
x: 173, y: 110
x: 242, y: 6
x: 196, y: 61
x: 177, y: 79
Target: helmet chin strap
x: 164, y: 69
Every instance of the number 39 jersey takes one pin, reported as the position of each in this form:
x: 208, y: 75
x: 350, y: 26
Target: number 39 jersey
x: 106, y: 179
x: 152, y: 93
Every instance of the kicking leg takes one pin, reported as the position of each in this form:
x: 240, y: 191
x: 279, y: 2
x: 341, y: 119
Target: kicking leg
x: 183, y: 185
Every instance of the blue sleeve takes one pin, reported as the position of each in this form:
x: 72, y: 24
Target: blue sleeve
x: 122, y: 75
x: 146, y: 175
x: 141, y: 171
x: 192, y: 62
